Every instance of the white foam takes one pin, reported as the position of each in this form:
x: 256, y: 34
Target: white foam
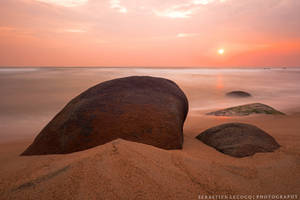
x: 14, y: 70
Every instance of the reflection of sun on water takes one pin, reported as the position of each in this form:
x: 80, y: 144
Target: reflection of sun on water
x: 221, y: 51
x: 219, y: 84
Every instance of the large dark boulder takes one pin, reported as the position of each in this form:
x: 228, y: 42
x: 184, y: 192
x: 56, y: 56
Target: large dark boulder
x: 238, y: 140
x: 142, y: 109
x: 238, y: 94
x: 248, y: 109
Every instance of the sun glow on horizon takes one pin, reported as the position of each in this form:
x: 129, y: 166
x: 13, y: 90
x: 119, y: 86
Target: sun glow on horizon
x: 221, y: 51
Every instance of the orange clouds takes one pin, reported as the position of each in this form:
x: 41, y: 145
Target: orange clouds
x: 149, y: 33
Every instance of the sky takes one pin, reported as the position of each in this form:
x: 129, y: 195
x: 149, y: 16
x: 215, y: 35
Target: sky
x: 150, y: 33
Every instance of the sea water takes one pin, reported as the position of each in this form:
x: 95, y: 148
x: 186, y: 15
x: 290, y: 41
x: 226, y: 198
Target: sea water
x: 30, y: 97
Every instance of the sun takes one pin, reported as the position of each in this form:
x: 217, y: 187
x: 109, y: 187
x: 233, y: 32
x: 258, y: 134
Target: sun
x: 221, y: 51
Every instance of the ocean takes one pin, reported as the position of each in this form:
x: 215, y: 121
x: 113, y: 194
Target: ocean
x: 30, y: 97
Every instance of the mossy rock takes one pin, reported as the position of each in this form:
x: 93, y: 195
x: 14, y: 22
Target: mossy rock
x: 248, y: 109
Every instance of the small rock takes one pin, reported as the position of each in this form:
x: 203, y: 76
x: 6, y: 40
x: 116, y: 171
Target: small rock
x: 238, y: 140
x: 243, y: 110
x: 238, y: 94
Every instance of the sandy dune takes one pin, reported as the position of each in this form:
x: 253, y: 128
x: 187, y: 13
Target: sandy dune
x: 128, y: 170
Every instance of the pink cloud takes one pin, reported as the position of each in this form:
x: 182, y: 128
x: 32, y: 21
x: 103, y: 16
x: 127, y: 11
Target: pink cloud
x: 186, y: 32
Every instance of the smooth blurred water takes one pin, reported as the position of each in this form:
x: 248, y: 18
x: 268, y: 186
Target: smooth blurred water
x: 30, y: 97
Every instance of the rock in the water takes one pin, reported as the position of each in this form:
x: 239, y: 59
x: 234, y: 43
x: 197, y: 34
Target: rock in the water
x: 142, y: 109
x: 238, y: 140
x: 254, y: 108
x: 238, y: 94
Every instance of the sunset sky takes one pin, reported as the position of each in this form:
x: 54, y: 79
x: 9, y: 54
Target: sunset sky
x: 191, y: 33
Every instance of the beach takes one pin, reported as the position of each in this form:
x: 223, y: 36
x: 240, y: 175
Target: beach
x: 127, y: 170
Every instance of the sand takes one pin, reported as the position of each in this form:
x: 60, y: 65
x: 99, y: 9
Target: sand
x: 127, y: 170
